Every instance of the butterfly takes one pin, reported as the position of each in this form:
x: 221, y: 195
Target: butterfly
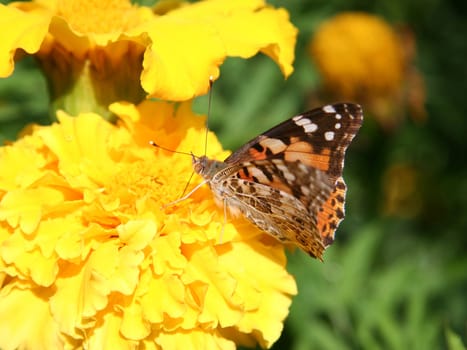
x: 288, y: 180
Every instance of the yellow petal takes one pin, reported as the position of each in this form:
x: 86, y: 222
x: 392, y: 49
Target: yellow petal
x: 99, y: 338
x: 267, y: 299
x: 82, y: 291
x: 66, y: 305
x: 273, y: 34
x: 50, y: 231
x: 21, y: 165
x: 76, y: 242
x: 194, y: 340
x: 20, y: 30
x: 126, y: 275
x: 167, y: 255
x: 25, y: 207
x: 26, y: 321
x: 178, y: 66
x: 81, y: 145
x: 133, y: 324
x: 137, y: 233
x: 221, y: 303
x: 95, y: 284
x: 188, y: 44
x: 27, y: 261
x: 165, y: 298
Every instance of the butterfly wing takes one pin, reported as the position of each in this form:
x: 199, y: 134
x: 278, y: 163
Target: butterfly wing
x: 301, y: 160
x: 317, y: 138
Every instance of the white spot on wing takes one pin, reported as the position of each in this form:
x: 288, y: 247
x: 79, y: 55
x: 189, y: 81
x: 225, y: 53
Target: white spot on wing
x: 287, y: 174
x: 311, y: 127
x: 275, y: 145
x: 337, y: 126
x: 329, y: 135
x: 306, y: 124
x: 329, y: 109
x: 338, y: 116
x: 302, y: 167
x: 258, y: 173
x: 300, y: 121
x: 305, y: 190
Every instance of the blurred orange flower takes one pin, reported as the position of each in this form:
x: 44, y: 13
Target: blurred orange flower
x: 362, y: 58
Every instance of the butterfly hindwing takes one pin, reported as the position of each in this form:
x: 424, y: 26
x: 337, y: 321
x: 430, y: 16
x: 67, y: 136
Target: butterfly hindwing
x: 276, y: 212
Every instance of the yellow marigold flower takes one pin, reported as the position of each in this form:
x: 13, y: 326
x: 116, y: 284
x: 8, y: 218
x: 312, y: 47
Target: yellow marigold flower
x: 89, y: 259
x: 111, y: 50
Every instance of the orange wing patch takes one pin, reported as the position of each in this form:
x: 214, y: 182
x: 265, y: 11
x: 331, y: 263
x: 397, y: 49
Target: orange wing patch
x: 331, y: 212
x: 305, y: 153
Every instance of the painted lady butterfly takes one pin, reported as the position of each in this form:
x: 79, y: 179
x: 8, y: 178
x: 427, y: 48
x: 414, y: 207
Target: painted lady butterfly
x: 288, y: 180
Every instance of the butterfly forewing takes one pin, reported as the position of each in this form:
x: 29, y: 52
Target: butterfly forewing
x: 288, y: 180
x: 318, y: 138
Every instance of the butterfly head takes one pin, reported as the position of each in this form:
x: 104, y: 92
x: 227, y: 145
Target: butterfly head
x: 206, y: 167
x: 199, y: 164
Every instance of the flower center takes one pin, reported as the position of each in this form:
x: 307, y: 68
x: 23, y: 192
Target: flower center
x: 133, y: 182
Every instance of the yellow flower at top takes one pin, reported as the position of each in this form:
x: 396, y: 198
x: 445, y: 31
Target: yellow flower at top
x: 90, y: 258
x: 100, y: 52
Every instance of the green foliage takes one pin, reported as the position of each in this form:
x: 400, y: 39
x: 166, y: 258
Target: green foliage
x: 454, y: 341
x: 354, y: 300
x: 23, y: 100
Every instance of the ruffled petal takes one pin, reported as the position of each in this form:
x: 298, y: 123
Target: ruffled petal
x: 189, y: 44
x: 26, y: 31
x: 26, y: 321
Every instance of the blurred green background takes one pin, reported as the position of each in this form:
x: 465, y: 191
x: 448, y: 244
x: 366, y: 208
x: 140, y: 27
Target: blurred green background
x: 396, y: 277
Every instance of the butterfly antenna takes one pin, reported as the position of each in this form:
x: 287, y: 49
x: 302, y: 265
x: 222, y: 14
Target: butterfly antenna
x: 211, y: 82
x: 152, y: 143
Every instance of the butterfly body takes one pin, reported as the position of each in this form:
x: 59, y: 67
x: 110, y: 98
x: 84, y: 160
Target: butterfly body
x: 288, y: 180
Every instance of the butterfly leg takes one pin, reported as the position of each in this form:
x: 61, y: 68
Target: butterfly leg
x: 224, y: 202
x: 188, y: 195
